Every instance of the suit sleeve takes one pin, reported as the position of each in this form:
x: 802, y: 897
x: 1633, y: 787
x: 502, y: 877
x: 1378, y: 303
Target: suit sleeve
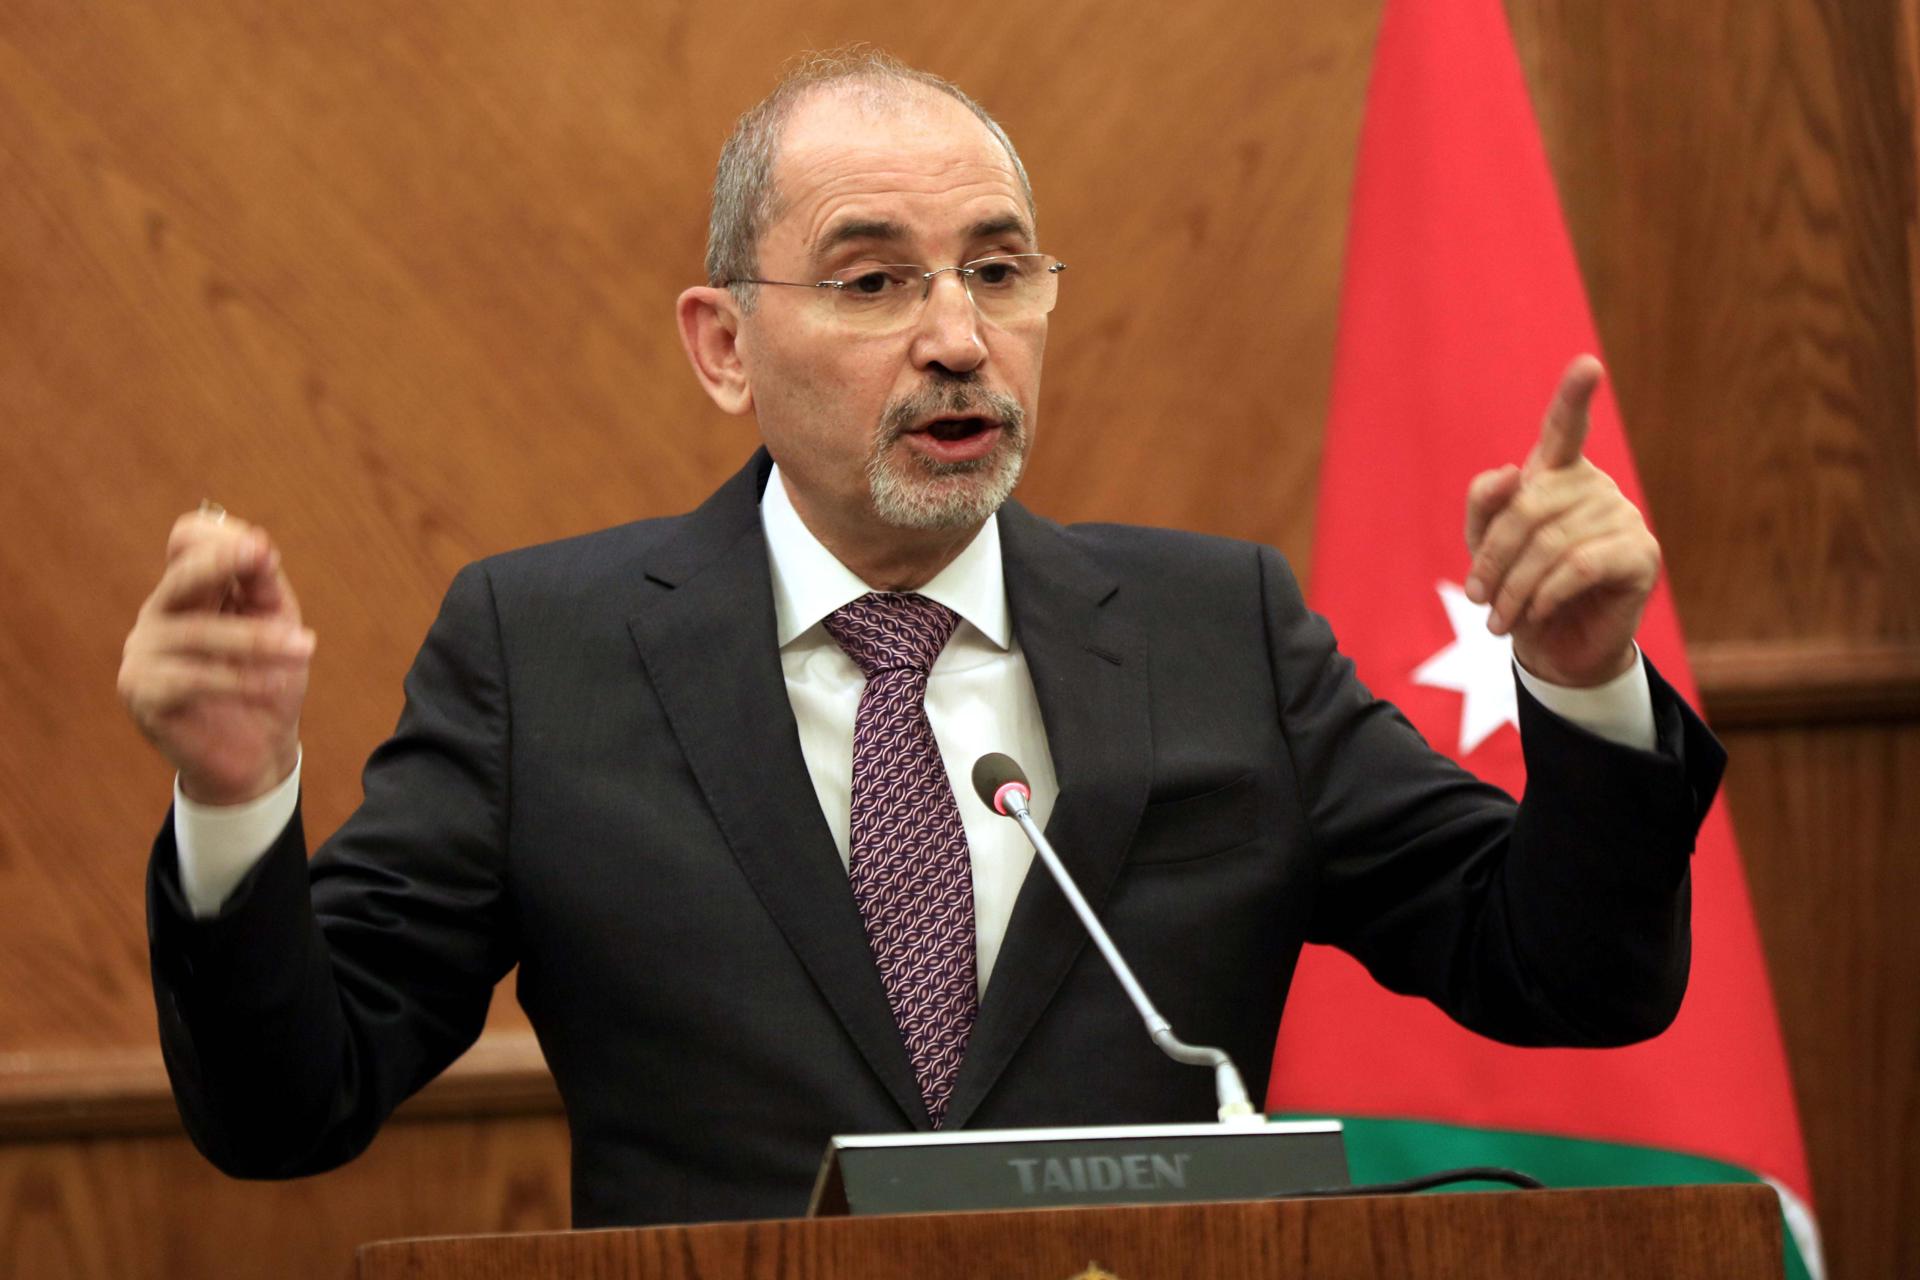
x: 1562, y: 920
x: 323, y: 994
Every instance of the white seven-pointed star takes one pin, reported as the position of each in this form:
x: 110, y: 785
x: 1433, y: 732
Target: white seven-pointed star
x: 1478, y: 665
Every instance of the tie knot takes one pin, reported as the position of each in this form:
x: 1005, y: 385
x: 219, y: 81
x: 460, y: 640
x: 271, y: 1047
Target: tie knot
x: 892, y: 631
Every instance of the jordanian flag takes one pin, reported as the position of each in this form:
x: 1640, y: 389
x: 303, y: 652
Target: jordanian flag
x: 1462, y: 305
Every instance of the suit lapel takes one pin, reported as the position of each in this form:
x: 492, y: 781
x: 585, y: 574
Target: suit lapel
x: 706, y: 638
x: 1090, y: 675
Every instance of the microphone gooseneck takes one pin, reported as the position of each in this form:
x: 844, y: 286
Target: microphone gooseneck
x: 1002, y: 786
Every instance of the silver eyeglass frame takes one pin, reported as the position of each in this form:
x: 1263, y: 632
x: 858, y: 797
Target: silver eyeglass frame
x: 965, y: 270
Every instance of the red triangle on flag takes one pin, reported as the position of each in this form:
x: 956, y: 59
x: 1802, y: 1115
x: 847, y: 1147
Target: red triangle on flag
x: 1462, y: 304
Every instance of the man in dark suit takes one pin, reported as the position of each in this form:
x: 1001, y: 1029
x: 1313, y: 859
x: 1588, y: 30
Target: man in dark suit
x: 661, y: 767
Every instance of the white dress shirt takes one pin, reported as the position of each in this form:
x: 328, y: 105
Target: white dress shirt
x: 980, y: 698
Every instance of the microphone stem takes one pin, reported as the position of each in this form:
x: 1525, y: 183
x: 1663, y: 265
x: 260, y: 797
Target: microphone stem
x: 1229, y: 1089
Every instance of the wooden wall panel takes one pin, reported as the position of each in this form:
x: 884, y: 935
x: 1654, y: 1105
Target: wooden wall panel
x: 1907, y: 40
x: 1739, y: 182
x: 1826, y: 818
x: 147, y: 1206
x: 401, y: 290
x: 1737, y: 179
x: 396, y: 281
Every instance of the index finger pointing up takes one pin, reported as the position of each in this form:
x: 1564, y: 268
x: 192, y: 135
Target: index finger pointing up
x: 1563, y: 432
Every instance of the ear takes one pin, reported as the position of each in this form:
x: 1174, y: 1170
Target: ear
x: 710, y: 331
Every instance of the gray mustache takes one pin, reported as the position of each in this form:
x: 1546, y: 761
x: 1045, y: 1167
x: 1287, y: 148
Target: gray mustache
x: 956, y: 398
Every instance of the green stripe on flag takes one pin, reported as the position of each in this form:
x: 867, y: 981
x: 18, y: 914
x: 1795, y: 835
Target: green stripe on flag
x: 1394, y: 1150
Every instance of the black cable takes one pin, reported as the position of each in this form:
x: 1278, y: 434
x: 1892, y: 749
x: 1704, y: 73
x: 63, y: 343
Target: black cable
x: 1426, y: 1182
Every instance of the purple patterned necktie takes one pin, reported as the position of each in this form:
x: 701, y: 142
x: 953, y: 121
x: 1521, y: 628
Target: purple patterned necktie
x: 912, y: 875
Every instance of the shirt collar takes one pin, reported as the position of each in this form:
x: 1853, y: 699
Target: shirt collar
x: 809, y: 583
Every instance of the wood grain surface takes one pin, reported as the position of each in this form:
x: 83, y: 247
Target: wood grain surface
x: 1685, y: 1233
x: 1907, y: 40
x: 126, y: 1207
x: 1738, y: 179
x: 1827, y: 819
x: 396, y: 281
x: 406, y: 300
x: 1790, y: 683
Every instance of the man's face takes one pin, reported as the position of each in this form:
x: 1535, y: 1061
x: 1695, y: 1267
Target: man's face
x: 921, y: 428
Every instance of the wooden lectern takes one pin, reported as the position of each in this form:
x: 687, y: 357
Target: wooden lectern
x: 1681, y: 1233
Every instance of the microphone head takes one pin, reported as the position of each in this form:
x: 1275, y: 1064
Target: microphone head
x: 994, y: 775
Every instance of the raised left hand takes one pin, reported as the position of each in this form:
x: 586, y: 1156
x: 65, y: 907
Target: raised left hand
x: 1564, y: 559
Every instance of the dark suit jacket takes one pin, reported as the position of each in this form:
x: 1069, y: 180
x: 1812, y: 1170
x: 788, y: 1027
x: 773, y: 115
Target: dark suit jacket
x: 597, y: 777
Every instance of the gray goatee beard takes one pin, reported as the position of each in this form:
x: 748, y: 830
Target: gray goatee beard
x: 913, y: 492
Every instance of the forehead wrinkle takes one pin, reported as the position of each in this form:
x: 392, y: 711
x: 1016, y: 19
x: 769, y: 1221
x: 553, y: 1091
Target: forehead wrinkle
x: 829, y: 173
x: 839, y: 233
x: 853, y: 215
x: 834, y: 178
x: 890, y: 127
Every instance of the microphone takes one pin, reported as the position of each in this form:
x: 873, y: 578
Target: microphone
x: 1002, y: 785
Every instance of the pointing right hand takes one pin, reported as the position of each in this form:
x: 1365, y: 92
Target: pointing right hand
x: 215, y: 668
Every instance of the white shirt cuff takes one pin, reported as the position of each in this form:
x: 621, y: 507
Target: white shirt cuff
x: 1621, y: 710
x: 219, y: 843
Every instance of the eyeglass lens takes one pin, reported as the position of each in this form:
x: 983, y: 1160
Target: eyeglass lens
x: 1007, y: 288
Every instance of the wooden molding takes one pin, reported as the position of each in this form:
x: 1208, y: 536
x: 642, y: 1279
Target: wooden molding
x: 1802, y: 682
x: 101, y: 1091
x: 1682, y: 1232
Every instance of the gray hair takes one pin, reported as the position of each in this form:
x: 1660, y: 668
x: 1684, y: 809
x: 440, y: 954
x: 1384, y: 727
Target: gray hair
x: 744, y: 199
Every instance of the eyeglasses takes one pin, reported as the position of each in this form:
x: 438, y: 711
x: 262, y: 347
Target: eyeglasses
x: 879, y: 297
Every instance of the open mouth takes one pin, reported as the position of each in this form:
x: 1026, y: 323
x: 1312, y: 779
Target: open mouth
x: 956, y: 440
x: 950, y: 429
